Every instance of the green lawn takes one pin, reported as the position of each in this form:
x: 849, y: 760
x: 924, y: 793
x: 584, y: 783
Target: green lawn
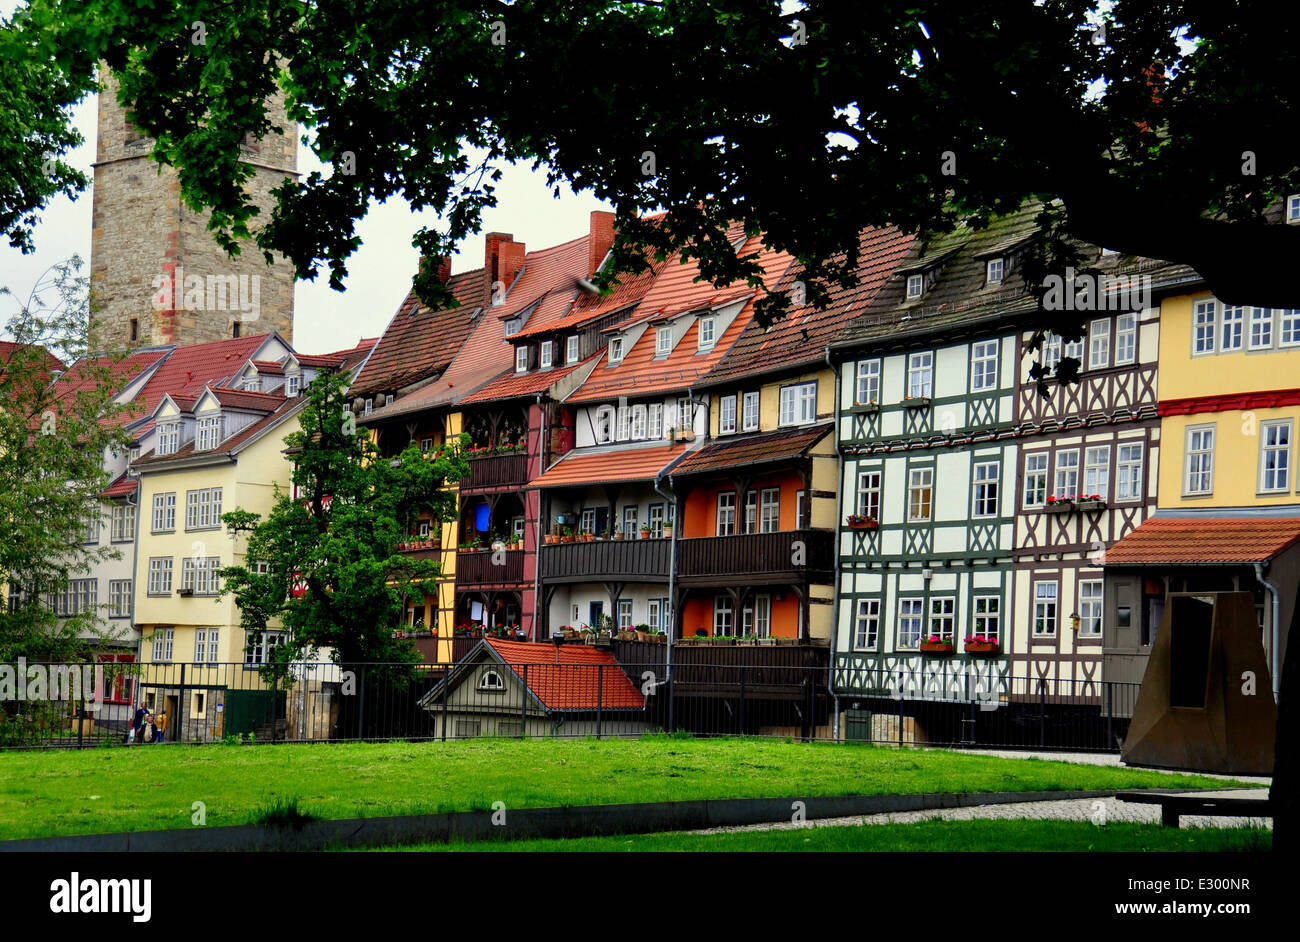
x: 941, y: 836
x: 135, y: 789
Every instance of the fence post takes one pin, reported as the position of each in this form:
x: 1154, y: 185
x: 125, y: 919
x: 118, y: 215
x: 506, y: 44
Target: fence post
x: 275, y: 689
x: 900, y: 716
x: 523, y: 705
x: 180, y: 708
x: 445, y: 696
x: 600, y: 695
x: 742, y: 700
x: 361, y: 709
x: 1042, y: 713
x: 1110, y: 712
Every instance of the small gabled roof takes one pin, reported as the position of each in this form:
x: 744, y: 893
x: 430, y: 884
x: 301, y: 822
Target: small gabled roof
x: 746, y: 450
x: 245, y: 399
x: 526, y: 384
x: 1205, y: 540
x: 628, y: 464
x: 268, y: 367
x: 287, y: 409
x: 123, y: 486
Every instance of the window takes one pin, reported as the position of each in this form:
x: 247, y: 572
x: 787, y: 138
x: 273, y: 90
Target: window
x: 1096, y: 471
x: 1293, y: 208
x: 1044, y: 609
x: 868, y: 382
x: 369, y: 407
x: 707, y: 327
x: 655, y: 420
x: 663, y: 341
x: 984, y: 496
x: 291, y: 384
x: 588, y: 521
x: 751, y: 512
x: 909, y: 623
x: 119, y: 598
x: 604, y: 429
x: 920, y: 494
x: 799, y: 404
x: 169, y: 438
x: 769, y: 510
x: 941, y: 617
x: 258, y: 651
x: 199, y: 575
x: 571, y: 349
x: 78, y: 596
x: 615, y: 349
x: 1051, y: 350
x: 1125, y: 339
x: 160, y: 575
x: 1230, y: 332
x: 1074, y: 350
x: 762, y: 612
x: 1261, y: 328
x: 206, y: 641
x: 1099, y: 344
x: 1203, y: 327
x: 1198, y: 471
x: 629, y: 521
x: 1289, y: 333
x: 521, y: 359
x: 724, y: 616
x: 654, y: 613
x: 920, y: 375
x: 1275, y: 456
x: 686, y: 414
x: 253, y: 384
x: 987, y: 619
x: 867, y: 631
x: 162, y: 643
x: 984, y: 366
x: 624, y: 423
x: 624, y: 614
x: 90, y: 526
x: 915, y: 286
x: 1128, y: 472
x: 135, y: 330
x: 203, y: 509
x: 994, y: 270
x: 513, y: 325
x: 726, y: 513
x: 727, y: 415
x: 749, y: 421
x: 799, y: 520
x: 1067, y: 475
x: 656, y: 520
x: 1090, y: 608
x: 209, y: 433
x: 869, y: 494
x: 638, y: 422
x: 164, y: 512
x: 548, y: 353
x: 1036, y: 479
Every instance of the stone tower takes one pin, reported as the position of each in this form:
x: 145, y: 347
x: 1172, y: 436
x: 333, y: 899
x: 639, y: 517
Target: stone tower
x: 156, y: 275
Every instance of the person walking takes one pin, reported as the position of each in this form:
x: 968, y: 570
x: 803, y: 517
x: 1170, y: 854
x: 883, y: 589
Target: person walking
x: 137, y: 725
x: 160, y: 725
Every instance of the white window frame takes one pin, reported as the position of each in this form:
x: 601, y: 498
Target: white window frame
x: 869, y: 483
x: 615, y: 349
x: 1047, y: 609
x: 984, y: 365
x: 1232, y: 321
x: 707, y: 332
x: 995, y: 270
x: 292, y: 382
x: 868, y: 382
x: 1099, y: 344
x: 1125, y: 339
x: 1096, y: 471
x: 203, y: 509
x: 638, y: 430
x: 1288, y: 327
x: 624, y: 614
x: 521, y: 358
x: 547, y: 355
x: 1204, y: 325
x: 120, y: 598
x: 663, y: 340
x: 122, y: 523
x: 915, y: 286
x: 911, y: 610
x: 1128, y: 470
x: 603, y: 426
x: 1090, y: 608
x: 1198, y: 459
x: 866, y: 627
x: 169, y: 438
x: 1037, y: 479
x: 160, y: 575
x: 1275, y: 441
x: 942, y: 619
x: 164, y: 640
x: 750, y: 412
x: 986, y: 616
x: 1066, y: 468
x: 725, y: 514
x: 1261, y: 325
x: 920, y: 375
x: 920, y: 481
x: 769, y: 510
x: 571, y: 349
x: 208, y: 434
x: 985, y: 487
x: 164, y: 512
x: 724, y: 617
x: 799, y: 404
x: 655, y: 420
x: 624, y: 427
x: 727, y: 415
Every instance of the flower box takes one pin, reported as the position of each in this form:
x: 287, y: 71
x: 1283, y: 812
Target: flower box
x: 1090, y: 503
x: 1054, y: 506
x: 916, y: 402
x: 867, y: 524
x: 983, y: 648
x: 937, y: 648
x: 868, y: 407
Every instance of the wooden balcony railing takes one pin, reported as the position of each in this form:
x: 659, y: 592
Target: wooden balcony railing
x: 757, y: 557
x: 615, y: 559
x: 489, y: 568
x: 497, y: 471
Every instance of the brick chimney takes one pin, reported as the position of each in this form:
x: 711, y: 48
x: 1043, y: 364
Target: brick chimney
x: 600, y: 238
x: 503, y: 257
x: 440, y: 263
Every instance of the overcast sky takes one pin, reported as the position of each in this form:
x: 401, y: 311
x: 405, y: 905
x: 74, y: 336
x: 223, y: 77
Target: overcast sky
x: 379, y: 272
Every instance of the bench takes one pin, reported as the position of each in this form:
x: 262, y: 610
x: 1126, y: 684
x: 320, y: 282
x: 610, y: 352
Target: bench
x: 1172, y: 807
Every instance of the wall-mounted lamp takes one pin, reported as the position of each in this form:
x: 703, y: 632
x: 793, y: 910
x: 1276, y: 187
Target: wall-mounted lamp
x: 927, y: 574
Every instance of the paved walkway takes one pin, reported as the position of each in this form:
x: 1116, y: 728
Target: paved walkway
x: 1103, y: 758
x: 1096, y: 810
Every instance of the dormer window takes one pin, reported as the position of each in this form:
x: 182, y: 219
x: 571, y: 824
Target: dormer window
x: 133, y: 454
x: 291, y: 384
x: 995, y: 269
x: 615, y: 349
x: 208, y: 435
x: 521, y: 359
x: 369, y: 407
x: 513, y: 326
x: 571, y: 349
x: 253, y: 384
x: 169, y: 438
x: 915, y: 286
x: 663, y: 341
x: 548, y: 354
x: 707, y: 327
x: 1293, y: 208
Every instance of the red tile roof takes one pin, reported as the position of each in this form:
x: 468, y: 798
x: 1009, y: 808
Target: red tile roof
x: 635, y: 464
x: 123, y: 486
x: 270, y: 367
x: 79, y: 379
x: 49, y: 360
x: 752, y: 449
x: 546, y: 288
x: 420, y: 342
x: 525, y: 384
x: 589, y: 308
x: 284, y: 411
x: 570, y: 677
x: 800, y: 338
x: 674, y: 291
x: 1205, y: 540
x: 188, y: 369
x: 244, y: 399
x: 326, y: 361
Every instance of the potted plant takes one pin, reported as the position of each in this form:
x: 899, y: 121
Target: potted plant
x: 726, y: 641
x: 626, y: 634
x: 588, y: 536
x: 657, y: 637
x: 642, y: 632
x: 750, y: 640
x: 1059, y: 504
x: 668, y: 531
x: 982, y: 644
x: 937, y: 645
x: 571, y: 633
x: 862, y: 522
x: 618, y: 531
x: 567, y: 536
x: 1091, y: 502
x: 645, y: 532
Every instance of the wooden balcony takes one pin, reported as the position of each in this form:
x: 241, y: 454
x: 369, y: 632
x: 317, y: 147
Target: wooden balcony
x: 418, y: 548
x: 497, y: 471
x: 755, y: 558
x: 480, y: 568
x: 630, y: 560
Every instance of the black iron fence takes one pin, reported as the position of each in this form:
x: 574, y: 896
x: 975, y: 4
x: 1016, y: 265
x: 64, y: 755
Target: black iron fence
x: 572, y: 696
